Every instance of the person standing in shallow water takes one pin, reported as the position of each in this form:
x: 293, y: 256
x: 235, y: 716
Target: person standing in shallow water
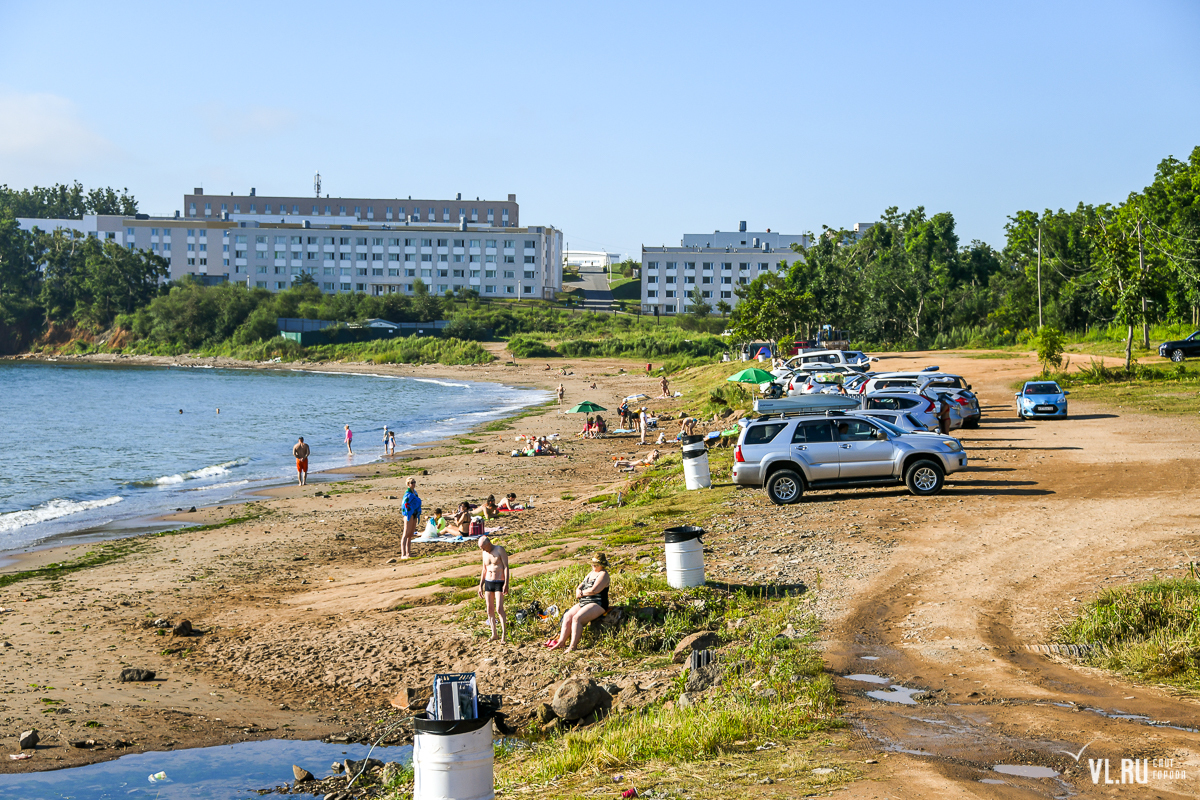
x: 300, y: 451
x: 349, y: 439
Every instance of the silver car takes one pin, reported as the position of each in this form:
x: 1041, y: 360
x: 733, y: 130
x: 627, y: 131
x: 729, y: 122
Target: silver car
x: 791, y: 455
x: 926, y: 410
x: 907, y: 423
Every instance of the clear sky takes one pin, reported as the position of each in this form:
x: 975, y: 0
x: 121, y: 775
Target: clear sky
x: 621, y: 123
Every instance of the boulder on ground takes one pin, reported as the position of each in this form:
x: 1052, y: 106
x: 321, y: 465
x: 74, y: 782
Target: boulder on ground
x: 703, y: 677
x: 302, y: 775
x: 183, y: 628
x: 358, y: 767
x: 29, y: 739
x: 130, y: 674
x: 543, y: 713
x: 575, y: 698
x: 701, y: 640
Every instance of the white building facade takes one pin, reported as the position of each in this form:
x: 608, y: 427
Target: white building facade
x: 715, y: 264
x: 342, y: 254
x: 591, y: 258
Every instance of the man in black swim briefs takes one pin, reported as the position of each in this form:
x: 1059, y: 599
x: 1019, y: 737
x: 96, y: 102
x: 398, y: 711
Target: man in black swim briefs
x: 493, y: 584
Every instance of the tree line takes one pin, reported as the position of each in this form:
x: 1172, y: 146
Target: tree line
x: 908, y: 281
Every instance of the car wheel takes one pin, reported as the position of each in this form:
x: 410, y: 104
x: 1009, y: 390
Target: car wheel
x: 785, y: 487
x: 924, y: 478
x: 973, y: 422
x: 1177, y: 355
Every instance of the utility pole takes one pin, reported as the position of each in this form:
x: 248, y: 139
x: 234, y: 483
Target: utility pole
x: 1039, y: 277
x: 1142, y: 267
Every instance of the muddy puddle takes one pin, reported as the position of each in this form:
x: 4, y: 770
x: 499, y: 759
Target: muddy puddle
x: 213, y: 773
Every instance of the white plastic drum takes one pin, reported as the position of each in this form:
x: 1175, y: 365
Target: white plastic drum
x: 696, y: 474
x: 452, y: 760
x: 685, y: 557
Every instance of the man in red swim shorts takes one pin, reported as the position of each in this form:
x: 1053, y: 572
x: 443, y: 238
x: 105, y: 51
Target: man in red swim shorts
x: 300, y: 451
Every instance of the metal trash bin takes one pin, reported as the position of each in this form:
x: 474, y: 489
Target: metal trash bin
x: 453, y: 759
x: 696, y: 474
x: 685, y: 556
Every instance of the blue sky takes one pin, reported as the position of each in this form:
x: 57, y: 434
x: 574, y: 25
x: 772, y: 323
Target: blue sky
x: 621, y: 123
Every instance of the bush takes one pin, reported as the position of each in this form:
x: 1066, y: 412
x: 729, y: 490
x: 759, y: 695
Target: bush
x: 528, y: 347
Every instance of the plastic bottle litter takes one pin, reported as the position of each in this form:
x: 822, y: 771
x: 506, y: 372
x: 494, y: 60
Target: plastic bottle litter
x: 158, y: 777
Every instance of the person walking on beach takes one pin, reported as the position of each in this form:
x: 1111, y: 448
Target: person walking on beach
x: 561, y: 392
x: 349, y: 439
x: 493, y: 584
x: 385, y: 439
x: 300, y: 451
x: 666, y: 387
x: 410, y: 509
x: 642, y: 418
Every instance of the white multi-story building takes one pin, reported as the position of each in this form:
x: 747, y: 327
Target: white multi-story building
x: 342, y: 253
x: 713, y: 263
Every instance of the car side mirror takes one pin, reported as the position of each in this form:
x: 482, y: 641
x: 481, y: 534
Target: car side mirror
x: 1065, y: 394
x: 968, y: 387
x: 878, y: 434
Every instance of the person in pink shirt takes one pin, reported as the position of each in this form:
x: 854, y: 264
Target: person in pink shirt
x: 349, y: 439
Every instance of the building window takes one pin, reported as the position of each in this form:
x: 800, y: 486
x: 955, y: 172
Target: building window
x: 529, y: 275
x: 530, y: 259
x: 509, y: 290
x: 669, y: 294
x: 509, y: 274
x: 528, y: 289
x: 652, y: 293
x: 726, y: 295
x: 689, y: 279
x: 651, y: 265
x: 670, y: 279
x: 489, y: 289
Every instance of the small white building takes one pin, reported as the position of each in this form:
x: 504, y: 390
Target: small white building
x: 591, y: 258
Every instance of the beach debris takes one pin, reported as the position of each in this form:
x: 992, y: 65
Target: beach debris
x: 192, y: 510
x: 130, y: 674
x: 618, y: 778
x: 20, y: 756
x: 629, y: 793
x: 822, y: 771
x: 302, y: 775
x: 184, y: 628
x: 161, y: 622
x: 83, y: 743
x: 339, y: 536
x: 700, y: 640
x: 158, y: 777
x: 29, y: 739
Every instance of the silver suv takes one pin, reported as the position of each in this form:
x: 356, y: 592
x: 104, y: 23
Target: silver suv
x: 789, y: 455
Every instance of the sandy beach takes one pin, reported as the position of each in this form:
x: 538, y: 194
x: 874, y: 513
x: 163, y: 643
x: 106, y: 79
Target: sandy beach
x: 311, y: 627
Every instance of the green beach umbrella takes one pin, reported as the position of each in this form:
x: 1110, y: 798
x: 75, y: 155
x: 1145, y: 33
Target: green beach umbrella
x: 586, y: 407
x: 752, y: 375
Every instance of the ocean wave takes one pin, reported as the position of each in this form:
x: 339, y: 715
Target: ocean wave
x: 52, y: 509
x: 442, y: 383
x: 228, y: 485
x: 203, y: 472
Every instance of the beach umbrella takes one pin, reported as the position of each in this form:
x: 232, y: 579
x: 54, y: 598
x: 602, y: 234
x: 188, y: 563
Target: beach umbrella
x: 586, y: 407
x: 752, y: 375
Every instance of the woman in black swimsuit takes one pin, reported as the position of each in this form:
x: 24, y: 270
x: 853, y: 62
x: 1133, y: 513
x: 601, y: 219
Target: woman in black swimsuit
x: 593, y: 604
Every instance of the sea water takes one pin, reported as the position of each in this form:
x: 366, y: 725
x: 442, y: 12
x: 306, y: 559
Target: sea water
x: 88, y: 449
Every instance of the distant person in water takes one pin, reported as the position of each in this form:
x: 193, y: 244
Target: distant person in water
x: 392, y: 441
x: 300, y: 451
x: 385, y: 439
x: 349, y: 439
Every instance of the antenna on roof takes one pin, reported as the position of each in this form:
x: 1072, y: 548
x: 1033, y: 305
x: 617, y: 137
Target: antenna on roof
x: 317, y: 184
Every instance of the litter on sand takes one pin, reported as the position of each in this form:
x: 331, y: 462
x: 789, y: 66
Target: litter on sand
x: 158, y: 777
x: 20, y: 756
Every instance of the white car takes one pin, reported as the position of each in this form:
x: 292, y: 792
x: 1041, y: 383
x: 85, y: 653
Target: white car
x: 850, y: 358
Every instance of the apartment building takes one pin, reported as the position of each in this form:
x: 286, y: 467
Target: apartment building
x: 714, y: 263
x: 343, y: 253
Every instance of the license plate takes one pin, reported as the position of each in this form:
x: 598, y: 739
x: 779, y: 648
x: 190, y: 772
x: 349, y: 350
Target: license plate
x: 1046, y: 409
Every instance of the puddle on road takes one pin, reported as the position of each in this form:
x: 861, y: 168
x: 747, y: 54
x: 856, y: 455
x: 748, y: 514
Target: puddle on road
x: 1026, y: 771
x: 896, y: 694
x: 993, y: 781
x: 226, y: 772
x: 867, y: 678
x: 869, y: 658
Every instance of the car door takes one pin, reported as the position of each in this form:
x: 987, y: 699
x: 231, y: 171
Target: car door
x: 814, y: 447
x: 862, y: 455
x: 1191, y: 345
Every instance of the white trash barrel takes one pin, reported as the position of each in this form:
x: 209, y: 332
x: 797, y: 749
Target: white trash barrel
x: 685, y: 556
x: 452, y: 759
x: 696, y: 474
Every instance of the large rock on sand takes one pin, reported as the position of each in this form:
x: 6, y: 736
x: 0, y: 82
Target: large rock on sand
x: 28, y: 740
x: 575, y: 698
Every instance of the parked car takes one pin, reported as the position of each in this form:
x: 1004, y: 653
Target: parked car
x: 931, y: 382
x: 906, y: 422
x: 1041, y: 399
x: 1184, y: 348
x: 792, y: 455
x: 851, y: 358
x: 925, y: 409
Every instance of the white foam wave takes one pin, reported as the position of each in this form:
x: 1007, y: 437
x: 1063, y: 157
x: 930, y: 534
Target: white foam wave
x: 228, y: 485
x: 52, y: 509
x: 203, y: 472
x: 442, y: 383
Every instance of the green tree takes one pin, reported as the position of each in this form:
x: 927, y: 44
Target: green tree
x: 700, y: 306
x: 769, y: 308
x: 1050, y: 344
x: 723, y: 308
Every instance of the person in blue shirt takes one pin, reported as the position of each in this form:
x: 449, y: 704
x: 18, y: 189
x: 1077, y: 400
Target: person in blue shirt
x: 410, y: 508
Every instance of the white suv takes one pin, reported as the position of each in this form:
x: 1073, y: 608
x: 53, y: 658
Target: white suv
x: 790, y: 455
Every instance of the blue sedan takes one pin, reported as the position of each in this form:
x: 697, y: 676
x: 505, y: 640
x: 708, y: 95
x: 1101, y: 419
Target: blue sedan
x: 1042, y: 399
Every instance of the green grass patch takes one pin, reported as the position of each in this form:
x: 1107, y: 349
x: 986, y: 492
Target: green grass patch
x: 1148, y: 631
x: 566, y: 496
x: 102, y: 554
x: 254, y: 512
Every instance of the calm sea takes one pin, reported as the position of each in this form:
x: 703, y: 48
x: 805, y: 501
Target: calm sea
x: 87, y: 449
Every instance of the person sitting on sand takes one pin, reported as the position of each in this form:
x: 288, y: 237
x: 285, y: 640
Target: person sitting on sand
x: 509, y: 503
x: 587, y: 428
x: 601, y: 426
x: 462, y: 519
x: 490, y: 509
x: 435, y: 525
x: 493, y: 584
x: 592, y: 594
x: 625, y: 463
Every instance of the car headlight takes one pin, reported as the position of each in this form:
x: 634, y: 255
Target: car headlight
x: 953, y: 445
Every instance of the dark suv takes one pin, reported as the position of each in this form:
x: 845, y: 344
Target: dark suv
x: 1185, y: 348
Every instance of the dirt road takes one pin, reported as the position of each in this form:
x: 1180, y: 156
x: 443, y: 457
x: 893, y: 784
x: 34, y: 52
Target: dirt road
x: 1050, y: 513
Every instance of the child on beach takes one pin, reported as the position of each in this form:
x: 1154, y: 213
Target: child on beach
x: 493, y: 584
x: 386, y: 440
x: 435, y: 525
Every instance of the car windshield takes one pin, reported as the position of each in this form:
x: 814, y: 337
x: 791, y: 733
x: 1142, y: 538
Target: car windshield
x: 1042, y: 388
x: 1192, y: 338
